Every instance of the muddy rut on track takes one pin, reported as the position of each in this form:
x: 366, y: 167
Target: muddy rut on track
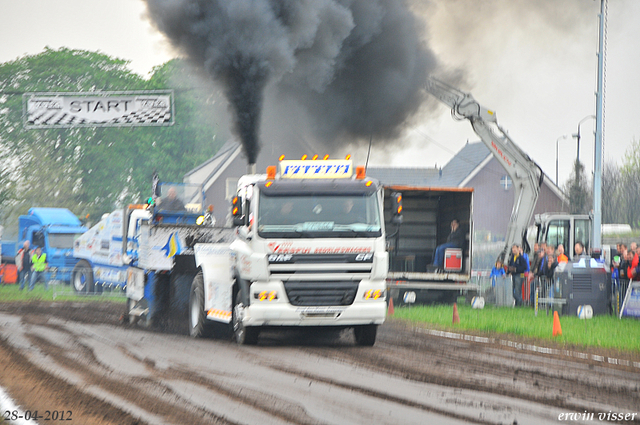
x: 78, y: 357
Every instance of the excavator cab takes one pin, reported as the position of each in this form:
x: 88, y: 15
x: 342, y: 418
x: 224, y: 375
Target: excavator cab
x: 565, y: 229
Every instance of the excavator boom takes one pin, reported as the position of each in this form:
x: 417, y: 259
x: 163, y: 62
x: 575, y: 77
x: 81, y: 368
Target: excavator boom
x: 526, y: 175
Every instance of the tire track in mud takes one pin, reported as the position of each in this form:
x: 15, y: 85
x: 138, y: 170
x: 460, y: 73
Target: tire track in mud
x: 38, y: 390
x: 265, y: 402
x: 137, y: 391
x: 571, y: 384
x: 272, y: 405
x: 453, y: 364
x: 379, y: 395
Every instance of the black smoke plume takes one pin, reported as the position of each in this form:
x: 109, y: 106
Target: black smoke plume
x: 356, y: 66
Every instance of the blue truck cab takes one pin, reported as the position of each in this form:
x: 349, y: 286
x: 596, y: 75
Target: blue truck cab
x: 54, y: 230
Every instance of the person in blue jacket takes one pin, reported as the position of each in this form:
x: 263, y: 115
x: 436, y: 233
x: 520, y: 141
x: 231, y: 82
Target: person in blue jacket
x: 497, y: 271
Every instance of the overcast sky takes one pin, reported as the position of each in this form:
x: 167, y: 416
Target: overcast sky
x: 532, y: 61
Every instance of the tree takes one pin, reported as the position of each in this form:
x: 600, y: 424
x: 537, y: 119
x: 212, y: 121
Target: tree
x: 630, y: 182
x: 93, y: 170
x: 579, y: 191
x: 612, y: 201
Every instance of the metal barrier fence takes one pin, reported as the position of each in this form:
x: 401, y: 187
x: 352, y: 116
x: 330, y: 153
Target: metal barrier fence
x: 495, y: 290
x: 619, y: 289
x: 537, y: 291
x: 61, y: 282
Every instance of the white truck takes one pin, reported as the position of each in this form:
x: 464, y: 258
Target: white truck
x: 147, y: 250
x: 309, y: 251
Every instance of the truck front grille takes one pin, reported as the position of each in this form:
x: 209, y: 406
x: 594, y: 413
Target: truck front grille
x: 312, y: 267
x: 321, y: 293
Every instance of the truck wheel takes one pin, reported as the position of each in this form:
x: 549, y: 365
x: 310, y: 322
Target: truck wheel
x: 198, y: 326
x: 243, y: 335
x: 366, y: 335
x: 82, y: 278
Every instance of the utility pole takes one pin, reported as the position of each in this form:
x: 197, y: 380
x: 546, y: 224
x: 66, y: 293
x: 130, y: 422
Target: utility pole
x: 597, y: 166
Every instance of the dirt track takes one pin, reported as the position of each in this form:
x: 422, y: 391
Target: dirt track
x: 78, y: 358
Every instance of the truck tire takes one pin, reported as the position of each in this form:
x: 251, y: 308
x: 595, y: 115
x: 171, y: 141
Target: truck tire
x: 198, y: 326
x: 365, y: 335
x: 82, y: 277
x: 243, y: 335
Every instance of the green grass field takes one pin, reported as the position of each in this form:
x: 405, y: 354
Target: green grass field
x: 600, y: 331
x: 12, y: 293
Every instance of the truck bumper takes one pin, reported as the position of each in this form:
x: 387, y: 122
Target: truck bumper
x: 281, y: 313
x: 288, y: 315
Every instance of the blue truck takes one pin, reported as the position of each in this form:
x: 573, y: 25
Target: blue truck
x: 52, y: 229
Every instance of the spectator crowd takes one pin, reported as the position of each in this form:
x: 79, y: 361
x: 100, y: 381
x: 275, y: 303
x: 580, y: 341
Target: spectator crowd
x: 530, y: 271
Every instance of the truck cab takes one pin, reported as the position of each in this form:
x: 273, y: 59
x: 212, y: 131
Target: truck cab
x: 54, y: 230
x: 310, y: 251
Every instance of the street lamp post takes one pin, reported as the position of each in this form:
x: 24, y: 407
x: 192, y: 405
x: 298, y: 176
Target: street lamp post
x: 577, y: 135
x: 561, y: 137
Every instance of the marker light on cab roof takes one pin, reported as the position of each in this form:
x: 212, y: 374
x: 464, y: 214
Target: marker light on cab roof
x: 329, y: 169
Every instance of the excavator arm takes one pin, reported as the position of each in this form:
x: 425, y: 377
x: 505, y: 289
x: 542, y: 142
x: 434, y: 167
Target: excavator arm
x: 526, y: 175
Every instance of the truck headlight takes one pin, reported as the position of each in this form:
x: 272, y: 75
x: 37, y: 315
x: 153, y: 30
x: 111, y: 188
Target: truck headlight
x: 374, y: 294
x: 266, y: 295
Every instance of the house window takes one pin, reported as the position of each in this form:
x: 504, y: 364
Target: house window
x: 231, y: 188
x: 506, y: 182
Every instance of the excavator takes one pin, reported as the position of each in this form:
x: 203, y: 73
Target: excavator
x: 583, y: 281
x: 527, y: 176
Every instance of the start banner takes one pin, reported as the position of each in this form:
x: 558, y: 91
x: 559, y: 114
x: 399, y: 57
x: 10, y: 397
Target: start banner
x: 98, y: 109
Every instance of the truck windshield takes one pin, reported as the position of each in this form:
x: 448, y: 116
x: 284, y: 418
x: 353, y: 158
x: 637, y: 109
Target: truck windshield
x: 180, y: 197
x: 319, y: 216
x: 62, y: 240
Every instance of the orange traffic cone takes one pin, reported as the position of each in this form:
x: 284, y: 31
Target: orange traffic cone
x: 456, y: 316
x: 390, y: 310
x: 557, y: 329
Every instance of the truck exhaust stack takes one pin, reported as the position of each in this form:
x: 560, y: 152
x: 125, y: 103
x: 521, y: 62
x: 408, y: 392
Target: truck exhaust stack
x: 251, y: 168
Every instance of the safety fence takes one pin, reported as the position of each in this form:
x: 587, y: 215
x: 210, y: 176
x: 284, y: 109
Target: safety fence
x: 618, y: 292
x: 539, y: 292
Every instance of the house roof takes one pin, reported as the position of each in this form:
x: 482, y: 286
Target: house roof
x: 207, y: 172
x: 404, y: 176
x: 471, y: 159
x: 464, y: 164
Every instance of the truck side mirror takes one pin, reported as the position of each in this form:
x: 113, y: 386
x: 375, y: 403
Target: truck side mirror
x: 236, y: 211
x: 396, y: 208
